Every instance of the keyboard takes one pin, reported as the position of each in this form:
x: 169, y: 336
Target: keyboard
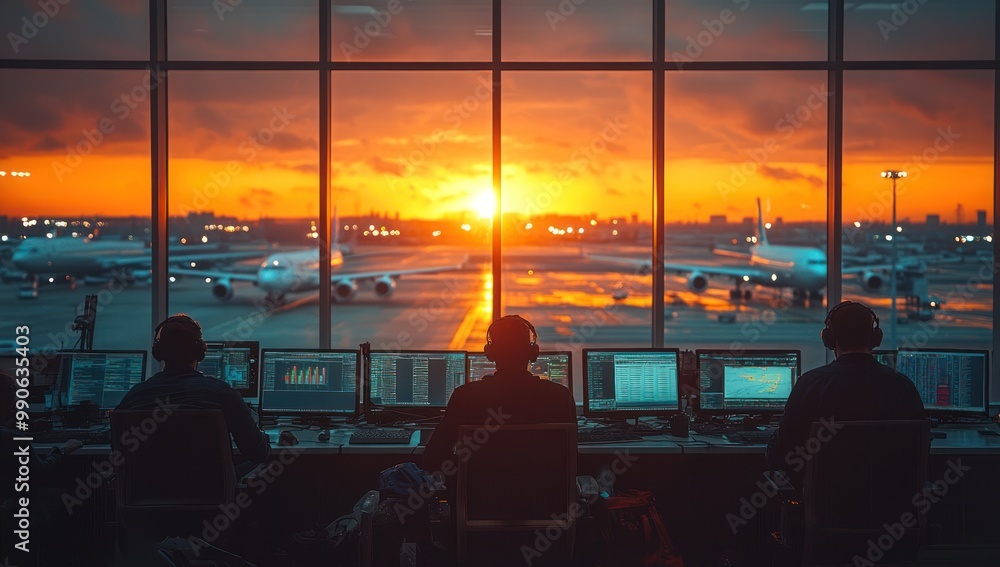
x: 85, y: 436
x: 605, y: 435
x: 753, y: 437
x: 380, y: 435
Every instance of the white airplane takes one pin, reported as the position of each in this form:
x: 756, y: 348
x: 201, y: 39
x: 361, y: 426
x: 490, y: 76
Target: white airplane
x: 802, y: 268
x: 298, y: 271
x: 99, y: 261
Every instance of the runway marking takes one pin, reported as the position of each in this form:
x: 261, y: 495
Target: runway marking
x: 464, y: 329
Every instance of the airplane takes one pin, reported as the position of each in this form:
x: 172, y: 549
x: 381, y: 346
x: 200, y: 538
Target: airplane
x: 298, y: 272
x: 100, y: 261
x: 802, y: 268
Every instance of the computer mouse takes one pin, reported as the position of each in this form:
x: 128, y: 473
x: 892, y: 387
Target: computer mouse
x: 323, y: 435
x: 286, y: 438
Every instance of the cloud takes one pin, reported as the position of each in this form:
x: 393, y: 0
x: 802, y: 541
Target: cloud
x: 790, y: 174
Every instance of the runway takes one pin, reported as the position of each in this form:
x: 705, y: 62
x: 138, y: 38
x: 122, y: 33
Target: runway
x: 567, y: 296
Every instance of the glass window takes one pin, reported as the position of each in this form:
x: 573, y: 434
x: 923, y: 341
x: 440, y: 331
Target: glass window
x: 74, y: 218
x: 577, y: 199
x: 244, y: 204
x: 597, y: 30
x: 60, y: 29
x: 920, y: 29
x: 745, y: 148
x: 745, y: 30
x: 248, y: 30
x: 402, y: 30
x: 936, y: 126
x: 412, y: 182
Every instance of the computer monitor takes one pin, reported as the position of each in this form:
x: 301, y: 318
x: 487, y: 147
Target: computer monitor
x: 309, y: 382
x: 414, y: 379
x: 550, y: 365
x: 751, y: 381
x: 236, y: 363
x: 886, y: 357
x: 102, y: 377
x: 949, y: 381
x: 629, y: 382
x: 43, y: 370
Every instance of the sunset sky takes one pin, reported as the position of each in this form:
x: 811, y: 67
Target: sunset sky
x: 419, y: 142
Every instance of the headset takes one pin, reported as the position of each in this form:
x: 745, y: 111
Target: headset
x: 830, y: 338
x: 493, y: 352
x: 197, y: 348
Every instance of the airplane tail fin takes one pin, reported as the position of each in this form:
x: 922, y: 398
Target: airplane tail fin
x: 761, y: 231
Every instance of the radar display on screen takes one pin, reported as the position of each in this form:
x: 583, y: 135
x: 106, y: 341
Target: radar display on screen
x: 750, y: 381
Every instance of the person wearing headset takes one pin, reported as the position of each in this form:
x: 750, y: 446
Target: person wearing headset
x: 854, y: 387
x: 510, y: 396
x: 179, y: 345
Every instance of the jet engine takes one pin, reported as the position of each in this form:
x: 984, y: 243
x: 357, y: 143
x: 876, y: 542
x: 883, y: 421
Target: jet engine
x: 223, y: 290
x: 871, y: 281
x: 345, y: 290
x: 384, y: 287
x: 697, y: 282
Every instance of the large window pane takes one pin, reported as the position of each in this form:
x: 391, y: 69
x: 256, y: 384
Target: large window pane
x: 244, y: 198
x: 598, y: 30
x: 74, y: 173
x: 577, y: 182
x: 725, y: 152
x: 401, y: 30
x: 924, y: 29
x: 745, y: 30
x: 249, y: 30
x: 937, y: 127
x: 412, y: 181
x: 59, y: 29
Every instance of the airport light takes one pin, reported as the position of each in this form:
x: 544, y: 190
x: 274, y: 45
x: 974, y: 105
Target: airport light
x: 894, y: 175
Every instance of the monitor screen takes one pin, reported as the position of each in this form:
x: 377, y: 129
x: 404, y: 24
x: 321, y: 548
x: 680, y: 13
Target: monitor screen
x: 949, y: 381
x: 752, y: 381
x: 313, y: 382
x: 99, y: 376
x: 416, y: 379
x: 886, y: 357
x: 629, y: 382
x: 235, y: 363
x: 554, y: 366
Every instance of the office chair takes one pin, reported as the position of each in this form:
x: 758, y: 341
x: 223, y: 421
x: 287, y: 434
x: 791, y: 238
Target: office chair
x: 180, y: 475
x: 515, y: 496
x: 864, y: 478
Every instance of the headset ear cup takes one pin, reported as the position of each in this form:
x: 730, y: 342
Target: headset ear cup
x: 156, y: 352
x: 202, y: 350
x: 488, y: 351
x: 876, y: 338
x: 533, y: 353
x: 829, y: 339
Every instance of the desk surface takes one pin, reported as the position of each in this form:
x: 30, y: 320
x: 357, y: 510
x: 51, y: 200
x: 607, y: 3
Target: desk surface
x: 950, y: 439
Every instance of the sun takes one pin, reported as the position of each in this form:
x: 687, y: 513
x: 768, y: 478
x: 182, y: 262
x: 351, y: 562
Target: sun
x: 485, y: 204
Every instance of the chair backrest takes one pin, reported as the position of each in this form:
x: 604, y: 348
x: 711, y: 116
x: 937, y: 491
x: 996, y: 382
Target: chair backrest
x: 860, y: 477
x: 518, y: 478
x: 180, y: 461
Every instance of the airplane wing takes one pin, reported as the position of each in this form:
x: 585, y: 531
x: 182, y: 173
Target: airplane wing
x: 721, y: 272
x: 339, y: 275
x: 142, y: 262
x: 215, y: 274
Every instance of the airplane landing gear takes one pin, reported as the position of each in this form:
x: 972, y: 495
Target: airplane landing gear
x: 275, y: 299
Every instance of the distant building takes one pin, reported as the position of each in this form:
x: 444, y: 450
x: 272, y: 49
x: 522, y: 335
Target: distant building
x: 717, y: 219
x: 981, y: 218
x: 933, y: 220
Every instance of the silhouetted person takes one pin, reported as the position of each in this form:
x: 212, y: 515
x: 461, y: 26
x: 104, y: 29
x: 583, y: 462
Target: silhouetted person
x: 179, y: 345
x: 509, y: 396
x: 854, y: 387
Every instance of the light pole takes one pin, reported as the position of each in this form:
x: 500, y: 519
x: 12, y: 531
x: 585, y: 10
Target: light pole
x: 894, y: 175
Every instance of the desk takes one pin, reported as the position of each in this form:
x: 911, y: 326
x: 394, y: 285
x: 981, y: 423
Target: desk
x: 697, y: 482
